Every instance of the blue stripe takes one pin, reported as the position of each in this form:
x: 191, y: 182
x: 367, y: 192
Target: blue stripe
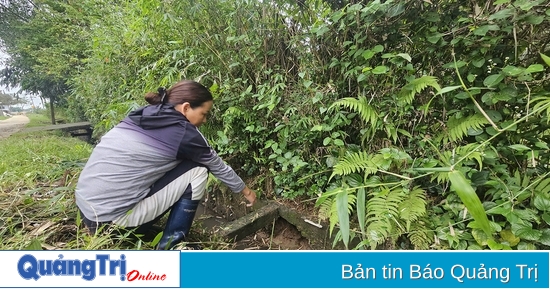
x: 370, y: 269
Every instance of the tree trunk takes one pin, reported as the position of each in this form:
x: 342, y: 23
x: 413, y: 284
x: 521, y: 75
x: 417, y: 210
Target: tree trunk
x: 51, y: 110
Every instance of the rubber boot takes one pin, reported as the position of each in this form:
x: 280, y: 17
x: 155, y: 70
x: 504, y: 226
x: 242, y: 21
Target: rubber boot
x: 178, y: 224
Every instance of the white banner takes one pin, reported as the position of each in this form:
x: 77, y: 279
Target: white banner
x: 97, y: 269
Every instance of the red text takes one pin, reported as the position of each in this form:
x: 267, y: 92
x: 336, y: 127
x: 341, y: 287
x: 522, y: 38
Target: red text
x: 135, y: 275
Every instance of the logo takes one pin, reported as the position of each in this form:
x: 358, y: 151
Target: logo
x: 29, y: 267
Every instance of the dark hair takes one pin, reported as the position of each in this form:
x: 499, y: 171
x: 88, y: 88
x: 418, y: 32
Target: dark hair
x: 183, y: 91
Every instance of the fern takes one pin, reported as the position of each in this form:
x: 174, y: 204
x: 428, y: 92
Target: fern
x: 407, y: 93
x: 325, y: 208
x: 355, y: 162
x: 382, y: 212
x: 389, y: 214
x: 328, y: 210
x: 359, y: 105
x: 413, y: 206
x: 458, y: 128
x: 451, y: 157
x: 419, y: 235
x: 333, y: 217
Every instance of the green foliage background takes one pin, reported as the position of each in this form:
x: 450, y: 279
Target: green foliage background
x: 412, y: 124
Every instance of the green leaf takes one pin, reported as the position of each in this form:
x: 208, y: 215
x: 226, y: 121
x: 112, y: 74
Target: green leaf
x: 317, y: 128
x: 512, y: 70
x: 478, y: 62
x: 34, y: 245
x: 331, y: 161
x: 368, y: 54
x: 156, y: 240
x: 494, y: 115
x: 493, y: 80
x: 542, y: 145
x: 339, y: 142
x: 457, y: 64
x: 519, y: 147
x: 545, y: 58
x: 482, y: 30
x: 546, y: 218
x: 542, y: 203
x: 361, y: 206
x: 534, y: 19
x: 509, y: 237
x: 480, y: 178
x: 380, y: 69
x: 343, y: 217
x: 461, y: 95
x: 480, y: 237
x: 326, y: 141
x: 526, y: 246
x: 448, y: 89
x: 527, y: 5
x: 534, y: 68
x: 545, y: 238
x: 472, y: 246
x: 504, y: 13
x: 493, y: 245
x: 468, y: 196
x: 434, y: 38
x: 432, y: 17
x: 405, y: 56
x: 529, y: 234
x: 378, y: 48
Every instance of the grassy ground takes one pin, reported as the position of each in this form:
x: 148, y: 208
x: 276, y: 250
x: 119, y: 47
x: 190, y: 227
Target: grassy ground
x: 38, y: 120
x: 38, y: 175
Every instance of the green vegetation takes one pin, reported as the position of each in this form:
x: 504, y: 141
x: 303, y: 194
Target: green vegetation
x: 37, y: 119
x: 402, y: 131
x: 39, y: 172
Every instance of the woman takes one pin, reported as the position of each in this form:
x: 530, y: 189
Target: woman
x: 153, y: 161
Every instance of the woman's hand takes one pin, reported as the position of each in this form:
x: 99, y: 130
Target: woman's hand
x: 250, y: 196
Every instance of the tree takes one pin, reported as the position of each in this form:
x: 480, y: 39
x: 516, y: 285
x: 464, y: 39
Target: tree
x: 7, y: 99
x: 45, y: 41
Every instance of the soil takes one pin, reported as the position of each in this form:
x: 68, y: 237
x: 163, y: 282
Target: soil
x: 281, y: 236
x: 12, y: 125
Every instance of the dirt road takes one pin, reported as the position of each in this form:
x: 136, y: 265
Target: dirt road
x: 12, y: 125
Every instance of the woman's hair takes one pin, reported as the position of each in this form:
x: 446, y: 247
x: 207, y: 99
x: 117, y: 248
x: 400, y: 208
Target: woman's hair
x: 184, y: 91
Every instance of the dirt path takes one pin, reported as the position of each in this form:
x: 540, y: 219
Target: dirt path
x: 12, y: 125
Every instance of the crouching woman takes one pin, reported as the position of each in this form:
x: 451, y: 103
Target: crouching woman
x: 155, y: 161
